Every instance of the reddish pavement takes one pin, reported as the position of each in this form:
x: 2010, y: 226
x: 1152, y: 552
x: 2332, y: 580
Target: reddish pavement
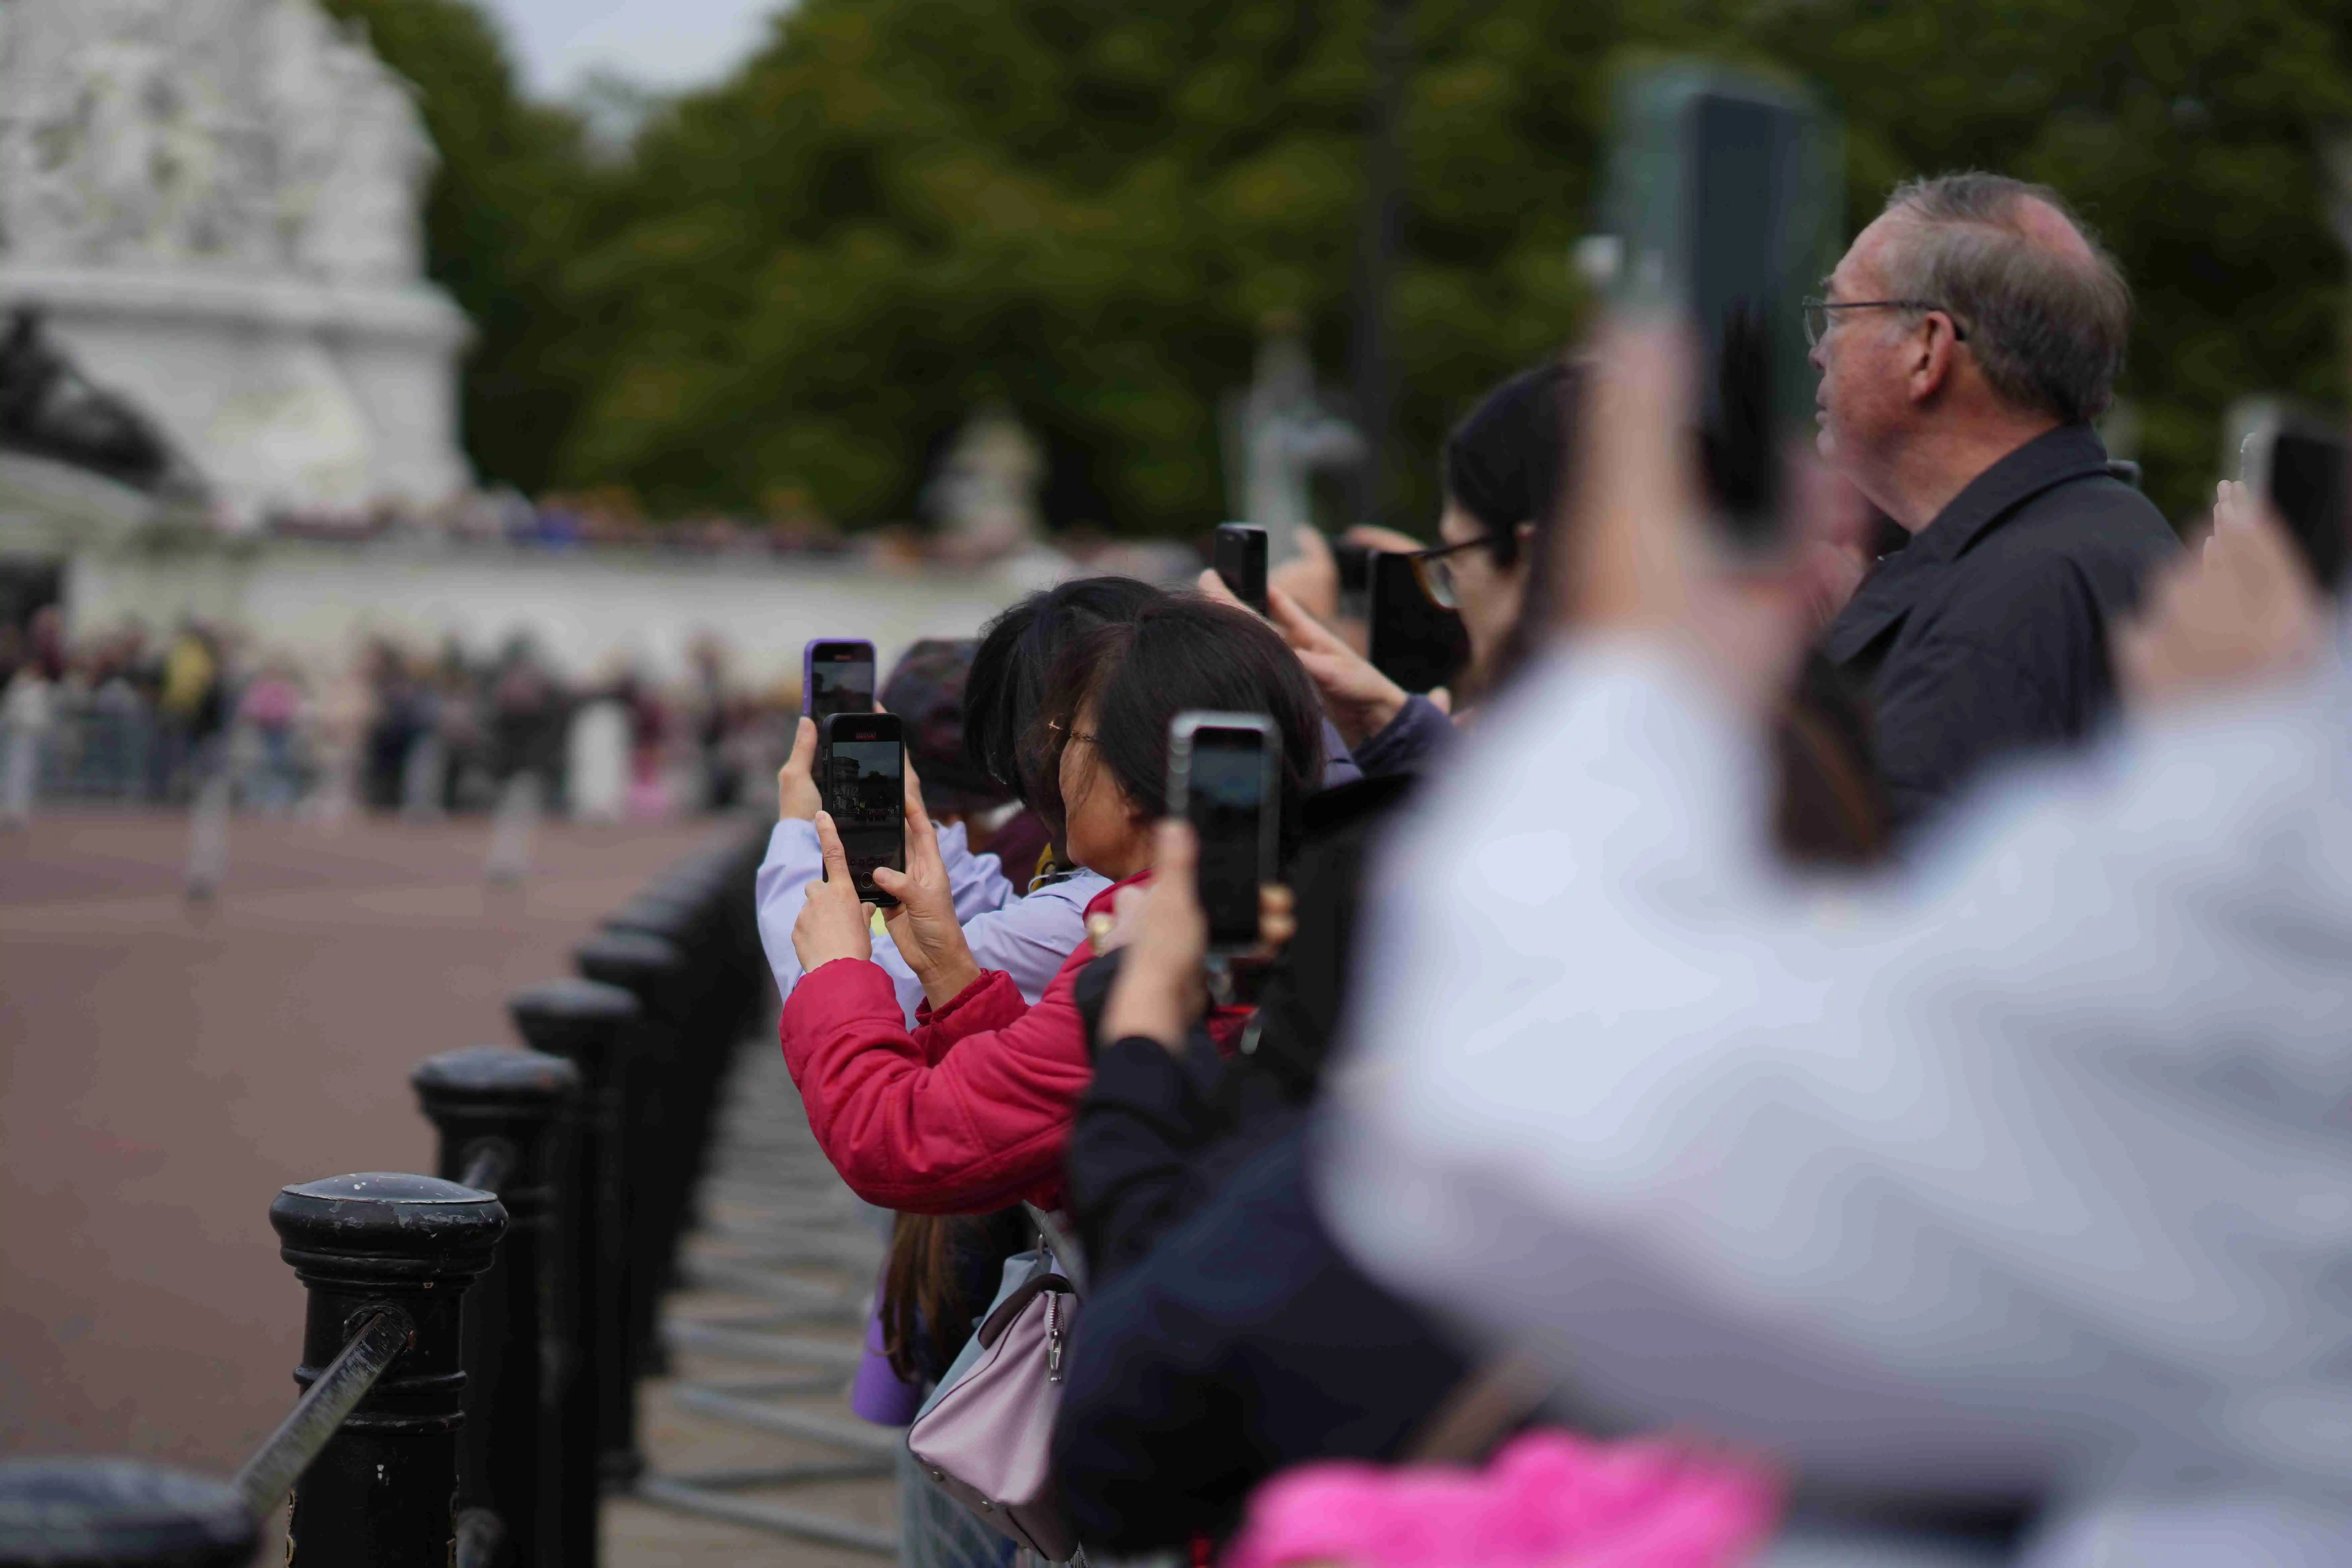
x: 164, y: 1070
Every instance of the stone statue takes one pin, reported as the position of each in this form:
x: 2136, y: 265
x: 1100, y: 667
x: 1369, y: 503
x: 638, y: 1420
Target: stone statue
x: 984, y: 496
x: 213, y: 204
x: 46, y: 409
x: 353, y: 154
x: 1286, y: 434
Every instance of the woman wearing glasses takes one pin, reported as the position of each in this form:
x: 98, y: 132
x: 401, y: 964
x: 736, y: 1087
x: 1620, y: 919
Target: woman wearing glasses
x: 1503, y: 468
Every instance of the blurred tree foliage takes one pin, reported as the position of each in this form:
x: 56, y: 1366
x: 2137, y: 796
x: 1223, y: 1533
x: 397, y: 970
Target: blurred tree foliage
x: 901, y: 208
x: 509, y: 205
x: 805, y: 277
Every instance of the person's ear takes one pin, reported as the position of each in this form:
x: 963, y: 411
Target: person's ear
x: 1935, y: 361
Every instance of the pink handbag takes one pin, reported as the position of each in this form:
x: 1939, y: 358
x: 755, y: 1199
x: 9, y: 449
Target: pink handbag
x: 988, y: 1439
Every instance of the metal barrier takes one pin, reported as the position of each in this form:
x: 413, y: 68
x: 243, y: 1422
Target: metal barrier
x: 472, y: 1342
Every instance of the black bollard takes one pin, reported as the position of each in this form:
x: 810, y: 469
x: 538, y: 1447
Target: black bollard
x: 382, y: 1493
x: 588, y: 1025
x: 121, y: 1513
x: 500, y: 1112
x: 652, y: 1111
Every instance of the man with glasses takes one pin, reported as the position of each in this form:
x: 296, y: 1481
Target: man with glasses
x: 1966, y: 342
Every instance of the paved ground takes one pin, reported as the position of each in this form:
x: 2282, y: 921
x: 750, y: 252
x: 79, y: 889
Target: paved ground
x: 754, y: 1420
x: 164, y: 1070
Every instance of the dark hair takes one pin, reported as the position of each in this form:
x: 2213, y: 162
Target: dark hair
x: 1536, y: 411
x: 2048, y: 329
x: 1016, y: 653
x: 1505, y: 462
x: 1830, y: 808
x: 926, y: 691
x: 936, y: 1279
x: 1184, y: 652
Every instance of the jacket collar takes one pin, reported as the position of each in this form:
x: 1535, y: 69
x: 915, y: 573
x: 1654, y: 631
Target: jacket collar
x: 2052, y: 458
x: 1100, y: 904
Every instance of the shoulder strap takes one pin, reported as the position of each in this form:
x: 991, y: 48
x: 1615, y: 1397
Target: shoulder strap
x: 1058, y: 1241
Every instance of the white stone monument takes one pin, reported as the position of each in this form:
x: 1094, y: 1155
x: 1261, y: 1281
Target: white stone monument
x: 1284, y: 433
x: 214, y: 205
x: 984, y: 495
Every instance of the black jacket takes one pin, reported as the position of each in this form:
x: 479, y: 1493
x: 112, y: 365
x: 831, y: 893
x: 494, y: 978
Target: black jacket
x: 1989, y: 631
x: 1244, y: 1342
x: 1155, y: 1134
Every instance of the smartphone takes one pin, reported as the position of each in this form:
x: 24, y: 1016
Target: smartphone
x: 836, y: 677
x: 1224, y: 777
x: 864, y: 784
x: 1414, y: 640
x: 1240, y: 561
x: 1355, y: 563
x: 2299, y: 461
x: 1723, y: 187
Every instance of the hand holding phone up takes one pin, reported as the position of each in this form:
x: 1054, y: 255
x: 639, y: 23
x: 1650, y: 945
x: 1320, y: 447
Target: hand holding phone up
x: 1162, y: 987
x: 833, y: 923
x: 923, y: 923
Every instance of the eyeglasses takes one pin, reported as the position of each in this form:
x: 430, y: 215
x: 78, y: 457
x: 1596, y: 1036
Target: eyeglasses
x: 1065, y: 735
x: 1817, y: 315
x: 1435, y: 573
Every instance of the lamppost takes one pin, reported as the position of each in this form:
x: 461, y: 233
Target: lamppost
x: 1376, y: 252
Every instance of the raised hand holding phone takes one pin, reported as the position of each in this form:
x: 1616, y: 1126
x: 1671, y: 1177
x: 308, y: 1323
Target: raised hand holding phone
x: 923, y: 921
x: 833, y: 922
x: 1360, y: 700
x: 798, y: 799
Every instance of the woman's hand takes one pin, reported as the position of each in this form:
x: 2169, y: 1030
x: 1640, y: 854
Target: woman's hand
x: 1160, y: 989
x: 924, y: 925
x: 797, y: 798
x: 2243, y: 613
x: 832, y: 923
x: 1359, y: 699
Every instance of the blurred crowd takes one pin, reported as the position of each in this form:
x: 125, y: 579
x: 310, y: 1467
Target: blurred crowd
x: 1821, y: 1059
x: 130, y: 717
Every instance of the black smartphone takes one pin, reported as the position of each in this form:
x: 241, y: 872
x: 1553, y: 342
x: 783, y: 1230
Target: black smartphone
x: 1223, y: 774
x: 836, y: 677
x: 1414, y: 640
x: 1355, y: 564
x: 864, y: 784
x: 1722, y: 185
x: 1240, y: 561
x: 2300, y: 463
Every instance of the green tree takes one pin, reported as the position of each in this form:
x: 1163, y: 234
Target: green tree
x: 511, y: 202
x: 902, y: 207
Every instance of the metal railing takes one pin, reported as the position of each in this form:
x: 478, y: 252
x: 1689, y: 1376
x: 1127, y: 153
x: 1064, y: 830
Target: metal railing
x: 472, y: 1342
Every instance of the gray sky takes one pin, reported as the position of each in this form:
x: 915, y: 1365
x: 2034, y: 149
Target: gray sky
x: 663, y: 44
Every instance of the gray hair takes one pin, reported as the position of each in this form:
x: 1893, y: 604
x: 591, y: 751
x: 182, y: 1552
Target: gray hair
x: 2049, y: 328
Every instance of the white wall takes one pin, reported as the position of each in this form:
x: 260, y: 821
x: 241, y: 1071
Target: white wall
x: 317, y: 601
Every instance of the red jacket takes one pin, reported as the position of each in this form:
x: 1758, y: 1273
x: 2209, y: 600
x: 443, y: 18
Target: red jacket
x: 968, y: 1113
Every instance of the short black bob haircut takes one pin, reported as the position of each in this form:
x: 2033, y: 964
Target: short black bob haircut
x: 1015, y: 658
x: 1505, y: 462
x: 1184, y: 653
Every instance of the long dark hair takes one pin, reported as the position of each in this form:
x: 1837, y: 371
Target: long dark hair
x: 1507, y: 465
x: 1011, y: 667
x: 1185, y: 652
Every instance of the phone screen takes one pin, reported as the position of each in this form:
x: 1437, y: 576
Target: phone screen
x: 1225, y: 799
x: 2307, y: 486
x: 840, y: 679
x: 1722, y: 186
x: 1355, y: 564
x: 866, y: 793
x: 1241, y: 563
x: 1741, y: 170
x: 1415, y: 641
